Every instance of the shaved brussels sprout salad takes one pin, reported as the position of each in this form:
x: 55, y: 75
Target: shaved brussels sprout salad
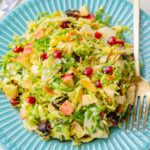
x: 71, y: 75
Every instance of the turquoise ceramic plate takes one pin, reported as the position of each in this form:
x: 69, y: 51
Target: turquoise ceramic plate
x: 12, y: 134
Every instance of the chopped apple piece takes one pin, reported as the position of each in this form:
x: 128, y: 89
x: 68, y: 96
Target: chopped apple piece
x: 110, y: 92
x: 39, y: 34
x: 24, y: 60
x: 66, y: 108
x: 88, y: 99
x: 28, y: 48
x: 77, y: 129
x: 68, y: 80
x: 11, y: 91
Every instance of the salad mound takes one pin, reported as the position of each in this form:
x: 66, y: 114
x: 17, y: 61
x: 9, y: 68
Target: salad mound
x: 71, y: 76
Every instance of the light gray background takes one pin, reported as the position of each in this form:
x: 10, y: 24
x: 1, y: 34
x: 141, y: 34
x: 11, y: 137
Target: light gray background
x: 145, y: 5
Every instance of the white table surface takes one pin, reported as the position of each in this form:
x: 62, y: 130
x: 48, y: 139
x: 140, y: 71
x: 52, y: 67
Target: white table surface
x: 144, y: 5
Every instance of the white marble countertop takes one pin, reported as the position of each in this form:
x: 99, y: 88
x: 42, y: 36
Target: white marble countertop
x: 144, y: 5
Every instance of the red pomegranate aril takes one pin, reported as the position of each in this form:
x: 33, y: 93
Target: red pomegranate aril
x: 31, y: 100
x: 98, y: 35
x: 120, y: 42
x: 65, y: 24
x: 98, y: 84
x: 108, y: 69
x: 57, y: 54
x: 44, y: 56
x: 14, y: 102
x: 88, y: 71
x: 18, y: 49
x: 88, y: 16
x: 112, y: 41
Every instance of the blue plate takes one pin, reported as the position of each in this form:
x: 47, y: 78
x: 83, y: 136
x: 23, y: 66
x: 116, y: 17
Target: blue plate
x: 12, y: 134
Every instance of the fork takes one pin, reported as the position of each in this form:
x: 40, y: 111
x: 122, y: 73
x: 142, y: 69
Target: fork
x: 142, y: 85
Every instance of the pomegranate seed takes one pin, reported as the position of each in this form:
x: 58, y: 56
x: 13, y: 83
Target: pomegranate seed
x: 18, y: 49
x: 89, y: 16
x: 57, y: 54
x: 88, y: 71
x: 14, y: 102
x: 120, y: 42
x: 98, y: 84
x: 65, y: 24
x: 44, y: 56
x: 31, y: 100
x: 112, y: 41
x: 108, y: 69
x: 98, y: 35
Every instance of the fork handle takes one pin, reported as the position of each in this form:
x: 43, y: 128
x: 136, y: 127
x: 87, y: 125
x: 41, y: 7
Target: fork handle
x: 136, y: 36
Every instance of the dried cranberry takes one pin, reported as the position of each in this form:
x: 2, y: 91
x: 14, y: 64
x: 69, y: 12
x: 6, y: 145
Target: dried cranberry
x: 132, y: 57
x: 65, y: 24
x: 98, y: 84
x: 108, y: 69
x: 124, y: 56
x: 112, y: 41
x: 14, y: 102
x: 44, y: 56
x: 31, y: 100
x: 45, y: 128
x: 120, y: 91
x: 57, y: 54
x: 55, y: 106
x: 88, y: 71
x: 76, y: 57
x: 62, y: 100
x: 72, y: 13
x: 98, y: 35
x: 113, y: 117
x: 18, y: 49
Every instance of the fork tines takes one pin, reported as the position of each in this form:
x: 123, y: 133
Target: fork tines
x: 140, y: 111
